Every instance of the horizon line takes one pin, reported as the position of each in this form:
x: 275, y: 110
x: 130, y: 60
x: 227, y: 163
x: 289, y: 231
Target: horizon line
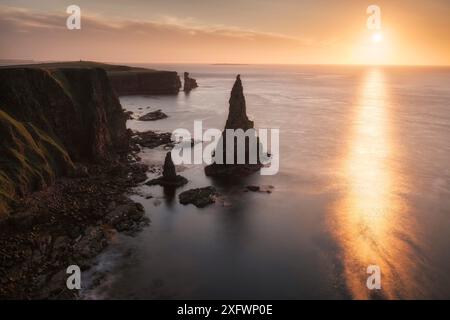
x: 231, y: 64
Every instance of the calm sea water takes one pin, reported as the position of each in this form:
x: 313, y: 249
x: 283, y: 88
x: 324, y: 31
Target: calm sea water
x: 364, y: 180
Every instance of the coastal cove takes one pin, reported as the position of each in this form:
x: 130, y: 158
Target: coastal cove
x: 297, y: 241
x: 88, y: 179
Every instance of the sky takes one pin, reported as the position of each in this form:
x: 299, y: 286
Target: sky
x: 413, y: 32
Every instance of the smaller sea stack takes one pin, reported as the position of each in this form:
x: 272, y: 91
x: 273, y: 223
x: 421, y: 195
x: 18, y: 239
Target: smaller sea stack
x: 169, y: 177
x: 189, y: 83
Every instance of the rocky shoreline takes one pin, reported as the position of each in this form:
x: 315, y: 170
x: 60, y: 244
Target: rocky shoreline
x: 68, y: 162
x: 69, y: 223
x: 85, y: 162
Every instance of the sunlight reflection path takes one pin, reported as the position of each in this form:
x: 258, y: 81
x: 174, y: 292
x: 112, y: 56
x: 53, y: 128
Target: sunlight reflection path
x: 369, y: 221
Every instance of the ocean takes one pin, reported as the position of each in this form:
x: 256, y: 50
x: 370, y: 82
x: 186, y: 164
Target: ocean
x: 364, y: 180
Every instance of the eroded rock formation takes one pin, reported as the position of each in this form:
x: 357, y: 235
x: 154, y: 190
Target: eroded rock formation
x: 153, y: 116
x: 151, y: 139
x: 237, y: 119
x: 199, y: 197
x: 189, y: 83
x: 237, y: 114
x: 169, y: 177
x: 137, y: 82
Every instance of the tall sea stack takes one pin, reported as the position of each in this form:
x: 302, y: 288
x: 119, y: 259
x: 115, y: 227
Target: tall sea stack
x: 237, y: 119
x: 237, y: 114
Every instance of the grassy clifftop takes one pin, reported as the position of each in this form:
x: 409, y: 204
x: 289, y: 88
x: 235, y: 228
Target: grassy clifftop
x: 82, y: 64
x: 29, y: 160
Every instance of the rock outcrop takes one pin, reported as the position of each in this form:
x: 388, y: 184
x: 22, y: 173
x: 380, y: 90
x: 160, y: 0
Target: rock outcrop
x: 189, y: 83
x: 50, y: 118
x: 151, y: 139
x: 169, y: 177
x: 237, y: 114
x: 199, y: 197
x: 237, y: 119
x: 153, y: 116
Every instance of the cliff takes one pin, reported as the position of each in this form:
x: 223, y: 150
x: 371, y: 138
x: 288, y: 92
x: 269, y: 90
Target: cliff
x: 127, y: 80
x: 136, y: 82
x: 50, y: 117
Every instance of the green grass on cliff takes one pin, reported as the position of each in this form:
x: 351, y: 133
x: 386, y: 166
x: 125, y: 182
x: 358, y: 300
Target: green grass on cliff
x: 29, y: 159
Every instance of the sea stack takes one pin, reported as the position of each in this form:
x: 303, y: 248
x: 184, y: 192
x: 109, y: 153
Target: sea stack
x: 237, y: 114
x: 169, y: 177
x: 237, y: 119
x: 189, y: 83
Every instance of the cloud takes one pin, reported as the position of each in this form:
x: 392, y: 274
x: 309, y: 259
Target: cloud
x: 42, y: 35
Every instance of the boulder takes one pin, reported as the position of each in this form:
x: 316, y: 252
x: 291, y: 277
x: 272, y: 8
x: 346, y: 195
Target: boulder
x: 200, y: 197
x: 152, y: 116
x: 151, y: 139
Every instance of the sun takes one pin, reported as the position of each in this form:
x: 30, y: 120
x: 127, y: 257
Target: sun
x: 377, y: 37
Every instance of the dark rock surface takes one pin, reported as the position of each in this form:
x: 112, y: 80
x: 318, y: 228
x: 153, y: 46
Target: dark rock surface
x: 70, y: 222
x: 139, y: 81
x: 76, y: 106
x: 169, y: 177
x: 151, y: 139
x: 262, y: 189
x: 154, y: 115
x: 65, y: 166
x: 189, y: 83
x: 200, y: 197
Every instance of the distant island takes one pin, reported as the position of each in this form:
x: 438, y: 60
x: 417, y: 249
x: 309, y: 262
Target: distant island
x: 229, y: 64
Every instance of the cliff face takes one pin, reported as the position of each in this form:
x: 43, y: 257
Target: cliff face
x: 145, y: 82
x: 51, y: 117
x: 125, y: 80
